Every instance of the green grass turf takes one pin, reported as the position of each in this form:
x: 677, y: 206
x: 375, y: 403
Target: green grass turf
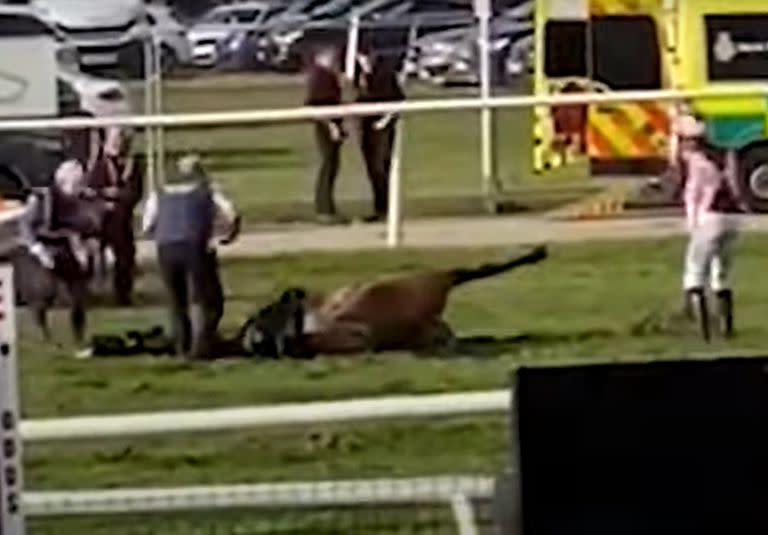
x: 587, y: 303
x: 270, y: 169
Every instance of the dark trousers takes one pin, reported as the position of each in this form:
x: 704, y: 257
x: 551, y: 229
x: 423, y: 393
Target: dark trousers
x: 191, y: 276
x: 119, y: 236
x: 329, y: 169
x: 377, y: 146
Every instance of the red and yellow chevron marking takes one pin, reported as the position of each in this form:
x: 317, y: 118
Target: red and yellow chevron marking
x: 628, y: 130
x: 624, y: 7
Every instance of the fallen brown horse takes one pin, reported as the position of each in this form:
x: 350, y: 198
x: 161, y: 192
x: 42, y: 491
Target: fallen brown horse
x: 394, y: 313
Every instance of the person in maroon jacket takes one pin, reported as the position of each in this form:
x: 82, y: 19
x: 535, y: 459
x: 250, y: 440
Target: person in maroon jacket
x: 117, y: 177
x: 324, y: 89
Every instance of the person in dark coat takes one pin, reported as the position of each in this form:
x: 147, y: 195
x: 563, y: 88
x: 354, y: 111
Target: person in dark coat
x: 82, y: 144
x: 324, y: 89
x: 118, y: 178
x: 376, y: 80
x: 183, y: 218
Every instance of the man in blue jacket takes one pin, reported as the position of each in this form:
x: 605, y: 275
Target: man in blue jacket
x: 183, y: 218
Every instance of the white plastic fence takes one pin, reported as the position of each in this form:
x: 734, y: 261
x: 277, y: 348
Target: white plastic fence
x: 285, y: 415
x: 326, y: 494
x: 457, y: 492
x: 153, y: 124
x: 308, y: 113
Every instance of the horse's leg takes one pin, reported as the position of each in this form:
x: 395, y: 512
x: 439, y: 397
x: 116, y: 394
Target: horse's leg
x: 40, y: 313
x: 339, y: 338
x: 36, y: 288
x: 436, y: 335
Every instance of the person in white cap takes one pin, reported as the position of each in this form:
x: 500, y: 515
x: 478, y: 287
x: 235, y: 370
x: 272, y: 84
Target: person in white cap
x: 62, y: 210
x: 712, y: 199
x: 57, y: 223
x: 184, y: 218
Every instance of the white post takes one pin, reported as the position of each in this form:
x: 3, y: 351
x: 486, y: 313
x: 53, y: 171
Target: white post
x: 463, y: 515
x: 488, y: 171
x: 11, y: 474
x: 149, y: 131
x: 158, y: 107
x: 353, y: 39
x: 395, y: 213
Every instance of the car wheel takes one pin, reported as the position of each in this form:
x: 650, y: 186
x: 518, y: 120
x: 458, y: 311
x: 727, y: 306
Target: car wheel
x: 753, y: 175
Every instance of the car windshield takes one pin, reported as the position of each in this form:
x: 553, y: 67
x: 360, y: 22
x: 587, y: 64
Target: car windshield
x: 15, y: 25
x: 216, y: 17
x: 246, y: 15
x: 334, y: 8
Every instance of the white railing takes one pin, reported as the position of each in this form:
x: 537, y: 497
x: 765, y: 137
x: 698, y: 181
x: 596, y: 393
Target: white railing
x: 457, y: 492
x: 153, y: 124
x: 308, y: 113
x: 324, y: 494
x: 285, y: 415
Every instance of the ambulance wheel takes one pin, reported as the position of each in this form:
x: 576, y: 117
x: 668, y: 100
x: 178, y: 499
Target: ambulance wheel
x: 754, y: 178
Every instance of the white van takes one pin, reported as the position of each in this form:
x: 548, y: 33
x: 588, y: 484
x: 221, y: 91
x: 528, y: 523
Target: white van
x: 107, y: 33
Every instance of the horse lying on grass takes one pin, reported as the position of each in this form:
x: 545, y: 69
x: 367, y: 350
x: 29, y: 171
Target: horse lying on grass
x: 395, y: 313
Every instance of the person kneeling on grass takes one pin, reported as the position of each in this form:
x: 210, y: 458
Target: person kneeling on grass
x: 712, y: 200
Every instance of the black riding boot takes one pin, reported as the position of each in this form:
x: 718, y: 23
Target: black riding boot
x: 696, y: 305
x: 725, y: 312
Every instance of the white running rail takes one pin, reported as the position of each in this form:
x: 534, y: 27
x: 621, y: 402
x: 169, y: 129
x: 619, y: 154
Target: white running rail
x: 284, y: 415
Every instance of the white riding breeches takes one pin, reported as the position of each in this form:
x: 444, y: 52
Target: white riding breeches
x: 708, y: 256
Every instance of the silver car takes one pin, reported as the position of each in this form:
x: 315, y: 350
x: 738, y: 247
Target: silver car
x: 216, y: 25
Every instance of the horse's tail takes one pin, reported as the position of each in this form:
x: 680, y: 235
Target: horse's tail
x: 461, y: 276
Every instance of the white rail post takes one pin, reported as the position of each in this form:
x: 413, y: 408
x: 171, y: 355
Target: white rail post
x: 487, y: 141
x: 395, y: 209
x: 463, y: 515
x: 11, y: 474
x: 158, y: 106
x: 353, y: 41
x: 149, y: 131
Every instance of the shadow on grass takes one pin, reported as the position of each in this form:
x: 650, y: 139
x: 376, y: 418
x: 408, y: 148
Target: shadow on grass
x: 490, y: 347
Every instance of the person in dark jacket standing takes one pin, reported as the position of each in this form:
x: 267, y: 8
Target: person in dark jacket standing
x: 324, y: 89
x: 377, y: 80
x: 118, y: 178
x: 82, y: 144
x: 183, y: 218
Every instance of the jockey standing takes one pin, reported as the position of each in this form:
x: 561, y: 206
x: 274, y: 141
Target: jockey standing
x: 712, y: 201
x: 183, y: 218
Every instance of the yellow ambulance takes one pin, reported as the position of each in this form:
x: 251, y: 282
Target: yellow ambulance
x: 614, y: 45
